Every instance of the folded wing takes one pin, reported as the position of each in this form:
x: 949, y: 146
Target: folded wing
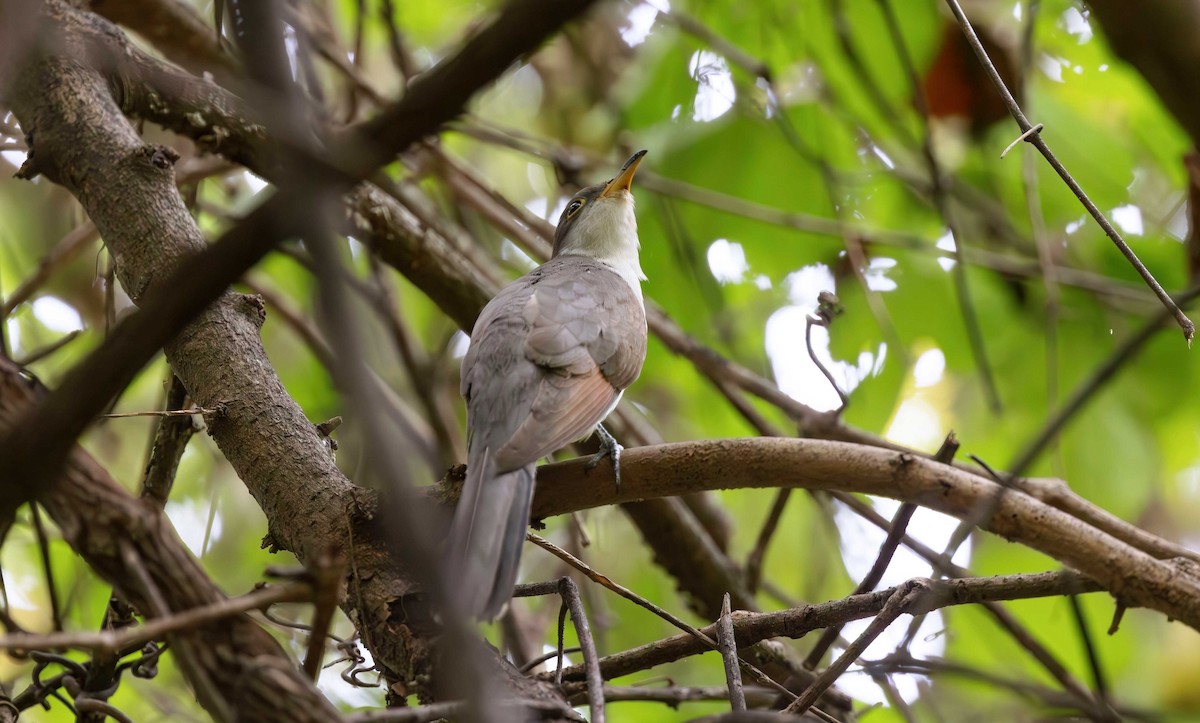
x: 587, y: 341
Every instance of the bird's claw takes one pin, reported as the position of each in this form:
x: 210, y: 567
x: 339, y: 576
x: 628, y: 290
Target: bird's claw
x: 608, y: 448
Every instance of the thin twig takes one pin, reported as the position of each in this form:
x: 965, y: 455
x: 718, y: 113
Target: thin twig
x: 38, y: 354
x: 566, y: 589
x: 108, y: 641
x: 897, y: 604
x: 1084, y: 393
x: 562, y: 632
x: 754, y: 562
x: 828, y: 309
x: 1099, y: 679
x: 47, y: 568
x: 1023, y: 137
x: 591, y: 660
x: 728, y: 643
x: 1189, y: 329
x: 545, y: 657
x: 640, y: 601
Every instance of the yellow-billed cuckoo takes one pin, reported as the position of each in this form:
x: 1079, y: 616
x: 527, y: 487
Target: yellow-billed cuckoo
x: 549, y: 359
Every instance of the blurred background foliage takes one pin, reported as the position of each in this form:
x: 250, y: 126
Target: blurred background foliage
x: 785, y: 159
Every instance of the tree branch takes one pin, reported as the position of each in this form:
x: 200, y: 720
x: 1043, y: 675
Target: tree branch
x: 1134, y: 577
x: 235, y: 667
x: 797, y: 622
x: 126, y: 188
x: 177, y: 30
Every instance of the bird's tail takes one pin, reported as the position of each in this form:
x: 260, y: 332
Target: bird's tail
x: 484, y: 548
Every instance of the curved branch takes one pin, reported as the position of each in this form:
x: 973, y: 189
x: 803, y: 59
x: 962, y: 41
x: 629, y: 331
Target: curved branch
x: 1134, y: 577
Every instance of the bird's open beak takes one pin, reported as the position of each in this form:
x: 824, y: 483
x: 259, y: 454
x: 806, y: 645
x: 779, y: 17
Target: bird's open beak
x: 625, y: 177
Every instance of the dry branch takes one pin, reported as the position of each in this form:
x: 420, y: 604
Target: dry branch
x: 236, y: 669
x: 1135, y: 578
x: 1034, y: 138
x: 127, y: 189
x: 175, y: 28
x: 462, y: 296
x: 797, y: 622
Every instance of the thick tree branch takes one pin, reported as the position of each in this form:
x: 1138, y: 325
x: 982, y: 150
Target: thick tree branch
x: 1135, y: 578
x: 126, y: 188
x: 465, y: 296
x: 462, y: 299
x: 176, y: 29
x: 436, y: 97
x: 236, y: 668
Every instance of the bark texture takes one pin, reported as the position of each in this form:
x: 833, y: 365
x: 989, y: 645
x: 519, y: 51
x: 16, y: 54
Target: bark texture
x: 236, y: 668
x: 65, y: 92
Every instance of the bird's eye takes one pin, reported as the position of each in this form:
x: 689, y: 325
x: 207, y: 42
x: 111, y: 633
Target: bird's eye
x: 574, y: 207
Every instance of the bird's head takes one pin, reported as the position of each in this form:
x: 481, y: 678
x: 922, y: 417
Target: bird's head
x: 599, y: 222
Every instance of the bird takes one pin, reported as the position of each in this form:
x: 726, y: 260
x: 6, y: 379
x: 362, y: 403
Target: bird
x: 549, y: 359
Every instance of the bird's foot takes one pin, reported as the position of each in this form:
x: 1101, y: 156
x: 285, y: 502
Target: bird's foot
x: 608, y: 448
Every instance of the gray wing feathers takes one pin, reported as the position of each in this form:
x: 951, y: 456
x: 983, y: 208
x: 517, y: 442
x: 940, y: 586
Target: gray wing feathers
x: 586, y: 307
x: 549, y: 357
x: 587, y: 334
x: 548, y: 360
x: 566, y: 409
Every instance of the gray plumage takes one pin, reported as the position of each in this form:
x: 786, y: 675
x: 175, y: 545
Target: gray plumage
x: 549, y: 358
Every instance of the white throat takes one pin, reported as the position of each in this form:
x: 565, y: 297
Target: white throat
x: 609, y: 234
